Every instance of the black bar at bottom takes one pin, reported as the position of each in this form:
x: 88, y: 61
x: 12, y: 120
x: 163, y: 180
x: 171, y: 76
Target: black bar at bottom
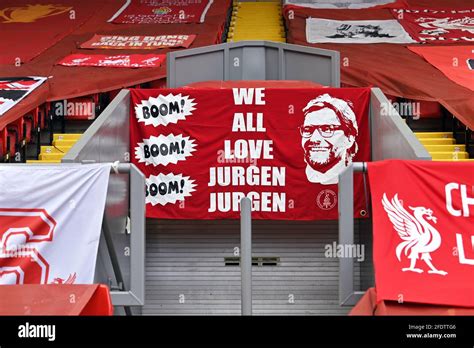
x: 289, y: 331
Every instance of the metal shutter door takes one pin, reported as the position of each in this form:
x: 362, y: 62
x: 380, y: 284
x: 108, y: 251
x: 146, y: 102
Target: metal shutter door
x: 186, y: 258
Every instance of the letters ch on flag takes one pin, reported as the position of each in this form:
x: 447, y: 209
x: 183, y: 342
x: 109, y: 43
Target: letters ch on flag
x: 423, y: 231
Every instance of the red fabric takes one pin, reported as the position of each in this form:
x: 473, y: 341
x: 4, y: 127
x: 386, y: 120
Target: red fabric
x: 47, y: 23
x: 429, y: 109
x: 456, y: 62
x: 394, y: 4
x: 35, y: 299
x: 209, y: 134
x: 70, y: 83
x: 100, y: 303
x: 368, y: 306
x: 393, y: 68
x: 438, y: 26
x: 420, y: 215
x: 164, y: 12
x: 121, y: 42
x: 114, y: 61
x: 248, y: 84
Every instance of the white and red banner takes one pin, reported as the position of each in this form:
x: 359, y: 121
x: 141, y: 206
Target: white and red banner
x: 438, y: 26
x: 456, y: 62
x: 121, y: 42
x: 319, y: 30
x: 50, y: 222
x: 347, y: 4
x: 203, y: 150
x: 14, y: 89
x: 114, y: 61
x: 162, y: 11
x: 423, y: 219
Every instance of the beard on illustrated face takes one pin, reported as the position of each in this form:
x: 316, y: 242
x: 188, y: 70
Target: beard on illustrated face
x: 324, y: 141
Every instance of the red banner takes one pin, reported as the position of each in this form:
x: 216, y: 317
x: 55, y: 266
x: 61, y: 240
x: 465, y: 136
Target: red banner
x: 423, y: 218
x: 203, y: 150
x: 163, y: 12
x: 456, y: 62
x: 117, y: 61
x: 138, y: 42
x: 27, y: 29
x: 438, y: 25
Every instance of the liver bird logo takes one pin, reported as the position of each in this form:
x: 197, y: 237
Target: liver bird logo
x: 439, y: 26
x: 419, y: 237
x: 31, y: 13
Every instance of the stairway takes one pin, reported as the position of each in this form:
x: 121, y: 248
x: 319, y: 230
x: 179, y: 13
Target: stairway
x: 62, y: 143
x: 442, y: 146
x: 256, y: 21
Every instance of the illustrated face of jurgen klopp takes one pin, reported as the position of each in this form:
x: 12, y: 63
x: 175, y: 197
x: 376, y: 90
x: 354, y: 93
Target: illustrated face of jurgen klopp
x: 328, y: 136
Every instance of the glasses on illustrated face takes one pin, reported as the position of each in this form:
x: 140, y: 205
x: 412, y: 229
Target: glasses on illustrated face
x: 326, y: 131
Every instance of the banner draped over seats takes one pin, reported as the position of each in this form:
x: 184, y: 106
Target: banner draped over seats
x: 120, y: 42
x: 114, y: 61
x: 423, y: 214
x: 50, y: 223
x: 456, y: 62
x: 66, y: 83
x: 163, y: 12
x: 393, y: 68
x: 320, y: 30
x: 347, y: 4
x: 47, y: 23
x: 202, y: 150
x: 438, y: 26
